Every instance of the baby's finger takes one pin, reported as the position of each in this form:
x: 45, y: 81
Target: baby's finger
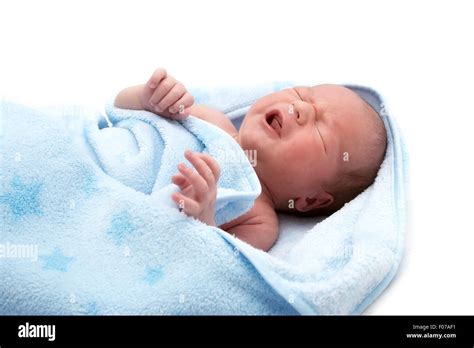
x: 156, y: 77
x: 189, y: 206
x: 202, y: 168
x: 196, y: 180
x: 163, y: 88
x: 212, y: 163
x: 173, y: 96
x: 181, y: 107
x: 180, y: 181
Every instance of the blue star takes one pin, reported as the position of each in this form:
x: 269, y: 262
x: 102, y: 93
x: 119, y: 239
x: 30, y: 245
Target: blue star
x: 89, y: 185
x: 23, y: 199
x: 92, y: 308
x: 153, y: 275
x: 121, y: 227
x: 88, y: 181
x: 56, y: 261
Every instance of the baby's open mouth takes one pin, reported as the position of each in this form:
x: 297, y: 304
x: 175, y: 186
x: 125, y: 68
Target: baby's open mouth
x: 275, y: 121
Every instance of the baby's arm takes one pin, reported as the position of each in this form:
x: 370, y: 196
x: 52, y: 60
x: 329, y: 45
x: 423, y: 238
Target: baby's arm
x: 162, y: 95
x: 258, y: 227
x: 214, y: 117
x: 166, y: 97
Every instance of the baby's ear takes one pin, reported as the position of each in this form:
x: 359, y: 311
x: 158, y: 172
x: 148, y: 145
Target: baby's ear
x: 321, y: 200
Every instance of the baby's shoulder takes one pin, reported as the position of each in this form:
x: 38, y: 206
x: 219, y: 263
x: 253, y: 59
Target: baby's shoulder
x: 262, y: 212
x: 264, y: 209
x: 258, y: 227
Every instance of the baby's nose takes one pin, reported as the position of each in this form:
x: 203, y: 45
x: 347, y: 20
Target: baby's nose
x: 301, y: 112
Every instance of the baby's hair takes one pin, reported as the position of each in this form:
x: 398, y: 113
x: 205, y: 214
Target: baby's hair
x: 354, y: 179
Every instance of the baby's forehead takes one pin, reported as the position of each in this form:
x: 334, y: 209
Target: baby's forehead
x: 328, y: 97
x: 335, y: 95
x: 330, y: 90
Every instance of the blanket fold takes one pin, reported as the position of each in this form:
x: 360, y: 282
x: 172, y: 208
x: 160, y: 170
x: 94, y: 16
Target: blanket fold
x: 88, y: 226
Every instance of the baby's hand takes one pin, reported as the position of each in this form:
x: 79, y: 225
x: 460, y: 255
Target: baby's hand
x: 198, y: 187
x: 165, y: 96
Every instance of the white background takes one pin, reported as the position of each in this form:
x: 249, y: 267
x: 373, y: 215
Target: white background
x: 419, y: 55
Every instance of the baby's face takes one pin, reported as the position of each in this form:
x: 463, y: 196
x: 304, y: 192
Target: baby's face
x: 302, y: 137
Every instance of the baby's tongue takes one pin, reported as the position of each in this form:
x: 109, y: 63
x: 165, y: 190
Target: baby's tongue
x: 275, y: 124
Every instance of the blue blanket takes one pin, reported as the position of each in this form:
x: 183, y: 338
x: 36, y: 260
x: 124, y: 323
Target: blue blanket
x: 88, y: 225
x: 342, y: 263
x: 94, y: 201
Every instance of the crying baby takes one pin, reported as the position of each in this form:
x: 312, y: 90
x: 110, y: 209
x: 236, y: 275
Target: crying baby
x: 318, y: 148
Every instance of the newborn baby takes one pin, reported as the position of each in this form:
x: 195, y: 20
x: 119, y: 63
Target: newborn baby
x: 317, y: 148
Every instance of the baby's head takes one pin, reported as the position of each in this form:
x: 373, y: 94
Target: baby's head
x: 317, y: 147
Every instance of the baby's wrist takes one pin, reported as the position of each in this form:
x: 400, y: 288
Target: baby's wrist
x: 209, y: 221
x: 144, y: 103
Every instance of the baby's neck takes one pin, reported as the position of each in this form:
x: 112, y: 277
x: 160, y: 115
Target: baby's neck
x: 265, y: 195
x: 236, y: 138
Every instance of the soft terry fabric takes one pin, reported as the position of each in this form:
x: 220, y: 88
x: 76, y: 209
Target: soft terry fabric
x: 88, y: 226
x: 337, y: 265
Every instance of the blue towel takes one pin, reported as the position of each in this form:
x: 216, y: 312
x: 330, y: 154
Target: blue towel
x: 88, y: 225
x: 110, y: 243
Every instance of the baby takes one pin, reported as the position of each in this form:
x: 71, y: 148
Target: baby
x: 318, y: 148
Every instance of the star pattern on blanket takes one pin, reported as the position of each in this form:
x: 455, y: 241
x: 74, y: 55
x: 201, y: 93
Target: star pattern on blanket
x: 121, y: 227
x: 152, y: 275
x: 89, y: 184
x: 91, y: 308
x: 87, y: 180
x: 24, y: 198
x: 56, y: 261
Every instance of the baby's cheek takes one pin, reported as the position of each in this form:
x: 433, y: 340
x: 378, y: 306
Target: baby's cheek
x: 288, y: 164
x: 297, y: 151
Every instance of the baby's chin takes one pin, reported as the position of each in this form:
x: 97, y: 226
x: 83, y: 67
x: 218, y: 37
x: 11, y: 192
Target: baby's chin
x: 242, y: 140
x: 250, y: 140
